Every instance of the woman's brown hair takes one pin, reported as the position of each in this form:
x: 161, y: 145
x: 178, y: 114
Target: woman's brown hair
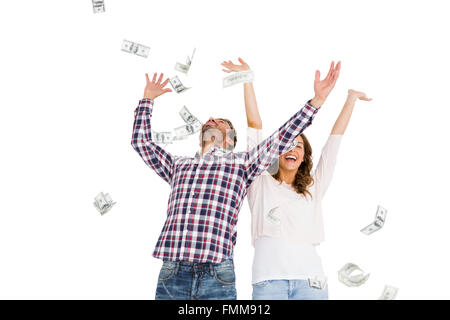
x: 303, y: 178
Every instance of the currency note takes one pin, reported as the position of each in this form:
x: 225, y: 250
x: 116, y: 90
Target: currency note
x: 135, y: 48
x: 177, y: 85
x: 389, y: 293
x: 272, y: 217
x: 189, y: 60
x: 380, y: 216
x: 238, y: 77
x: 344, y: 275
x: 197, y: 125
x: 162, y: 137
x: 100, y: 200
x: 184, y: 68
x: 181, y: 67
x: 371, y: 228
x: 187, y: 116
x: 317, y: 282
x: 103, y: 202
x: 378, y: 223
x: 183, y: 132
x: 98, y: 5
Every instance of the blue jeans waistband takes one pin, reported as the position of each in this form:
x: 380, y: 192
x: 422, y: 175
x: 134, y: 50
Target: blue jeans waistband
x: 194, y: 266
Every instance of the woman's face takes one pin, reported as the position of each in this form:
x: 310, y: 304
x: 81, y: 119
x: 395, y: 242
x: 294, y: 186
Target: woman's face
x: 291, y: 160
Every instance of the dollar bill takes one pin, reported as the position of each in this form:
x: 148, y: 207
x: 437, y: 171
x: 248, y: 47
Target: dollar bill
x: 371, y: 228
x: 380, y: 216
x: 103, y: 203
x: 272, y: 217
x: 378, y: 223
x: 183, y: 132
x: 177, y: 85
x: 100, y: 200
x: 238, y: 77
x: 190, y: 119
x: 184, y: 68
x: 192, y: 126
x: 135, y: 48
x: 344, y: 275
x: 389, y: 293
x: 317, y: 282
x: 98, y: 5
x: 197, y: 125
x: 181, y: 67
x: 187, y: 116
x: 162, y: 137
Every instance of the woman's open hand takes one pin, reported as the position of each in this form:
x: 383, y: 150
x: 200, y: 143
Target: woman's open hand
x: 358, y: 95
x: 231, y: 67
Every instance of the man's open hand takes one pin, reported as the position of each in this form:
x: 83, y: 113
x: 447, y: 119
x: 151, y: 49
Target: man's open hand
x: 154, y: 89
x: 322, y: 88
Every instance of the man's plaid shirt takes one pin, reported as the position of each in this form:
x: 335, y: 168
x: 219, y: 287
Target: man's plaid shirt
x: 207, y: 191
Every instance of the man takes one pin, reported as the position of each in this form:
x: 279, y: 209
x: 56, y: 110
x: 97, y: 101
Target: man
x: 207, y: 192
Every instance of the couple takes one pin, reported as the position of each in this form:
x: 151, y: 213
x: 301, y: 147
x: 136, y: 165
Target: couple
x: 208, y: 190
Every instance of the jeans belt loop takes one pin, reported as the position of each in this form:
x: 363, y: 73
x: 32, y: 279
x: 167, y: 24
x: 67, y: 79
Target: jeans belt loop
x: 211, y: 269
x: 177, y: 265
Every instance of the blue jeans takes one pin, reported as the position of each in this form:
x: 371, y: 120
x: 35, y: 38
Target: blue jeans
x: 288, y: 290
x: 179, y: 280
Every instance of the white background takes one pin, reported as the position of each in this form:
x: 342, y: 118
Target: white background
x: 67, y: 99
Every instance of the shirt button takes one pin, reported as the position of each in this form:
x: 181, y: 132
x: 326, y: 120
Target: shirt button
x: 189, y: 211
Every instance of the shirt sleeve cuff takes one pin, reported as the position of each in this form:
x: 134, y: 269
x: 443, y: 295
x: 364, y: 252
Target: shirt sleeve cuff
x: 311, y: 107
x: 254, y: 137
x: 145, y: 105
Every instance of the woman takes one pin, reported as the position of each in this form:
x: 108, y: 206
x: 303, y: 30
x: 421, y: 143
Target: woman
x: 286, y: 207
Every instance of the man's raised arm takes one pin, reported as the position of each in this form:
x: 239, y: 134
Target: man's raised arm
x: 281, y: 141
x: 152, y: 154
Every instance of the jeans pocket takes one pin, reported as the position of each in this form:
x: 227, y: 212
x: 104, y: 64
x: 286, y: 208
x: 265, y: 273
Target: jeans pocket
x: 167, y: 272
x: 261, y: 284
x: 225, y: 275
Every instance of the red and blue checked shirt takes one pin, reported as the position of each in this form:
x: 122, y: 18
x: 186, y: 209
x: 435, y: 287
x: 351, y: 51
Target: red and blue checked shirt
x: 207, y: 191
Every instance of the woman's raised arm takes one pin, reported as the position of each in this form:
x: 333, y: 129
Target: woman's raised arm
x: 346, y: 113
x: 251, y: 107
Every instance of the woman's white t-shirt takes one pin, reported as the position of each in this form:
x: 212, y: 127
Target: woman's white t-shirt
x: 287, y: 225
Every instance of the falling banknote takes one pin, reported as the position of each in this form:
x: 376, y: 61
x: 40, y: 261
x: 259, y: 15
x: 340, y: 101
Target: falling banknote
x: 98, y: 5
x: 317, y: 282
x: 190, y: 119
x: 184, y: 68
x: 389, y: 293
x: 135, y: 48
x: 380, y: 218
x: 183, y: 132
x: 103, y: 203
x: 192, y: 126
x: 238, y: 77
x: 344, y: 275
x: 187, y: 116
x: 162, y: 137
x: 177, y: 85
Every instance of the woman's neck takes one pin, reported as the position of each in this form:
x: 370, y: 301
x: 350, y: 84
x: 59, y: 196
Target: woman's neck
x: 287, y: 176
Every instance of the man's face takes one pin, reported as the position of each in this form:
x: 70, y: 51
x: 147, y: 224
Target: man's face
x: 216, y: 129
